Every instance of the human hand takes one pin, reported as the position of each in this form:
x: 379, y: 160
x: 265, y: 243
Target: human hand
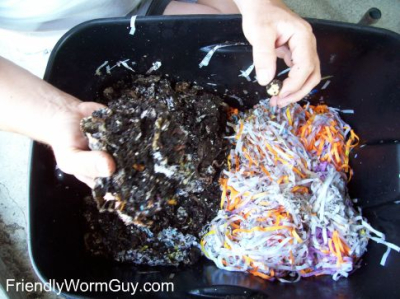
x: 34, y: 108
x: 275, y: 31
x: 71, y: 146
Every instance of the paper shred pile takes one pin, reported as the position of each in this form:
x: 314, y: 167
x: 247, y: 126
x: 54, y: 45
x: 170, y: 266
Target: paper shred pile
x: 285, y: 212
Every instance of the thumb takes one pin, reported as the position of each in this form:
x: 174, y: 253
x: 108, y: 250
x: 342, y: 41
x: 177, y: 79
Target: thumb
x: 85, y: 163
x: 264, y: 55
x: 87, y: 108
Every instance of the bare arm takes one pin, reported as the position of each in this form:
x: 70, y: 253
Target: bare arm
x: 34, y: 108
x: 202, y: 7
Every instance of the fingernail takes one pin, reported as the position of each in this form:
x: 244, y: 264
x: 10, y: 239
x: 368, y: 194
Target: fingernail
x: 264, y: 76
x: 103, y: 168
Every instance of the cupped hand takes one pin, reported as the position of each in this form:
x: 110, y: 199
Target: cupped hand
x: 275, y: 31
x: 71, y: 146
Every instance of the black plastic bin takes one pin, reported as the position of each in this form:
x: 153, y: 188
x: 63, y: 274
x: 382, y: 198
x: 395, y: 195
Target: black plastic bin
x: 365, y: 65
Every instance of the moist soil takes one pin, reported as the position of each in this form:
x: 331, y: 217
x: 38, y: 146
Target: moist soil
x: 167, y: 140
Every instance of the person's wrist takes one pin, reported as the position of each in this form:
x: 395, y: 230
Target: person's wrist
x: 64, y: 115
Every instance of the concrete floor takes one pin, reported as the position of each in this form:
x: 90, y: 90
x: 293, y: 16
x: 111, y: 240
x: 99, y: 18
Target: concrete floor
x: 349, y: 11
x: 14, y: 149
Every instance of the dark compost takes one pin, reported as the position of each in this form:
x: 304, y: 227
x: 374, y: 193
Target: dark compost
x: 168, y: 144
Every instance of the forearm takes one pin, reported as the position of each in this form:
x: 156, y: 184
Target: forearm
x: 245, y: 4
x: 201, y: 7
x: 28, y: 104
x: 222, y: 6
x: 252, y: 12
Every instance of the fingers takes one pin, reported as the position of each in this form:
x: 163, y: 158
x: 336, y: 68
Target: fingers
x: 265, y: 63
x: 294, y: 88
x: 284, y: 53
x: 312, y: 81
x: 264, y: 56
x: 81, y: 163
x: 305, y: 71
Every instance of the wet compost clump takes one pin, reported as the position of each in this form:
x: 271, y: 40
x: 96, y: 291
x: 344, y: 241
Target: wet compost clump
x: 168, y: 144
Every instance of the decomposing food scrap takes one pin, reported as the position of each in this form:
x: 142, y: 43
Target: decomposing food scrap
x: 274, y: 87
x: 168, y: 144
x: 285, y: 211
x: 156, y: 65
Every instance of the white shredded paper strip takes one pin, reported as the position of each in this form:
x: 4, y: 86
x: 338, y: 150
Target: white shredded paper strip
x: 326, y: 85
x: 109, y: 68
x: 209, y: 55
x: 347, y: 111
x: 98, y: 73
x: 385, y: 256
x: 247, y: 72
x: 207, y: 58
x: 124, y: 63
x: 283, y: 72
x: 390, y: 245
x: 133, y: 26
